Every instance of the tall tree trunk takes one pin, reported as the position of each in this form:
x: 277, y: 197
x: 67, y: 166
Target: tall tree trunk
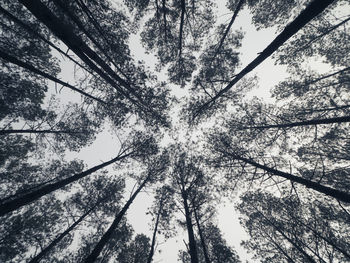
x: 164, y: 18
x: 191, y: 239
x: 2, y: 132
x: 82, y: 50
x: 105, y: 238
x: 33, y: 32
x: 342, y: 196
x: 31, y: 68
x: 235, y: 13
x: 25, y: 199
x: 312, y: 10
x: 205, y: 251
x: 306, y: 255
x: 151, y: 253
x: 38, y: 257
x: 182, y: 21
x: 302, y: 123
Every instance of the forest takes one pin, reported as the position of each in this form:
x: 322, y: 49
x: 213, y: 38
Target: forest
x: 109, y: 105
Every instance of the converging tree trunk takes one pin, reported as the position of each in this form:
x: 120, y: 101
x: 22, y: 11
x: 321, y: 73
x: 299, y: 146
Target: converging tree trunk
x: 312, y: 10
x: 25, y: 199
x: 105, y: 238
x: 151, y: 252
x: 38, y: 257
x: 191, y: 239
x: 302, y: 123
x: 204, y: 246
x: 341, y: 196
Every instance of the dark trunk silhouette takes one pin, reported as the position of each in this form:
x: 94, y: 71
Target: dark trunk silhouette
x: 164, y: 18
x: 302, y: 123
x: 39, y: 131
x: 15, y: 204
x: 182, y: 19
x: 342, y: 196
x: 151, y: 253
x: 103, y: 241
x: 83, y: 51
x: 205, y: 251
x: 31, y: 68
x: 306, y: 255
x: 31, y: 31
x: 38, y: 257
x: 191, y: 239
x: 235, y: 13
x: 312, y: 10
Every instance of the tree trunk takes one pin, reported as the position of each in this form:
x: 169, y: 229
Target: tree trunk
x: 38, y: 257
x: 306, y: 255
x: 191, y: 239
x: 303, y: 123
x: 235, y: 13
x: 15, y: 204
x: 82, y: 50
x: 312, y: 10
x: 164, y: 18
x: 103, y: 241
x: 151, y: 253
x: 205, y: 251
x: 182, y: 18
x: 2, y: 132
x: 31, y: 68
x: 342, y: 196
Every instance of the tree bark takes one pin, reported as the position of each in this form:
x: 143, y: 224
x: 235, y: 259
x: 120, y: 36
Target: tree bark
x: 302, y: 123
x: 191, y: 239
x: 151, y: 253
x: 312, y: 10
x: 31, y: 68
x: 342, y: 196
x: 235, y: 13
x: 182, y: 18
x: 103, y: 241
x: 38, y: 257
x: 205, y: 251
x: 17, y: 203
x: 2, y: 132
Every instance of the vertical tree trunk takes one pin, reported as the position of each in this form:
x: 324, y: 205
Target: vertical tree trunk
x: 151, y: 253
x: 105, y: 238
x: 342, y: 196
x: 38, y: 257
x: 12, y: 205
x: 303, y: 123
x: 205, y: 251
x: 182, y: 21
x: 235, y: 13
x: 35, y: 70
x: 312, y: 10
x: 191, y: 239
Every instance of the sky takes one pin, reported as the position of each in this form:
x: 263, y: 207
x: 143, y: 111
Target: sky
x: 106, y: 145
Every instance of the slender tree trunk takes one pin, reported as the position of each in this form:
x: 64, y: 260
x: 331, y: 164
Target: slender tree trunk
x: 38, y: 257
x: 205, y: 251
x: 81, y: 49
x: 306, y: 255
x: 2, y: 132
x: 25, y: 199
x: 331, y: 243
x: 164, y: 18
x: 303, y: 123
x: 151, y: 253
x: 312, y: 10
x: 342, y: 196
x: 280, y: 248
x: 31, y: 68
x: 235, y: 13
x: 33, y: 32
x: 105, y: 238
x: 191, y: 239
x: 182, y: 19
